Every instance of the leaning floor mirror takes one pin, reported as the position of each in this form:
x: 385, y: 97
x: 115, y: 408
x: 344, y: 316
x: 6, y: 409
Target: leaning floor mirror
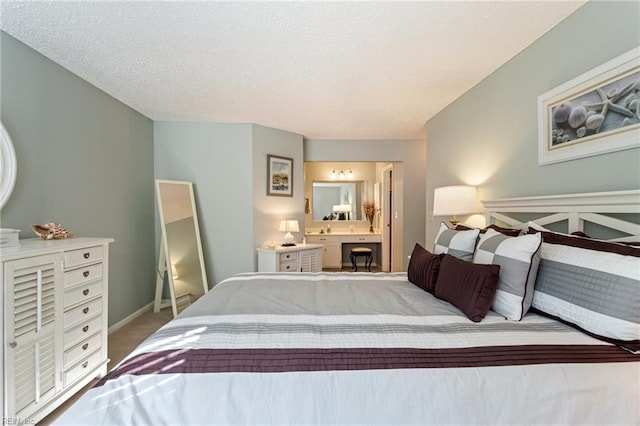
x: 180, y: 262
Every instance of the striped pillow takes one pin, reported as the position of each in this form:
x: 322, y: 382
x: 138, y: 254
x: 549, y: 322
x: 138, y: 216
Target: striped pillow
x: 460, y: 244
x: 518, y: 258
x: 423, y: 268
x: 593, y: 284
x: 467, y: 286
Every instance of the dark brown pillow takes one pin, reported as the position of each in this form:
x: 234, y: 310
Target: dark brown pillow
x: 583, y: 235
x: 423, y: 268
x: 511, y: 232
x: 618, y: 247
x: 468, y: 286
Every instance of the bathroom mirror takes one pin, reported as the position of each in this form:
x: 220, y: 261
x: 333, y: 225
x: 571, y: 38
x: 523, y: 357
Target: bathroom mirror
x: 8, y: 166
x: 337, y: 200
x: 181, y: 249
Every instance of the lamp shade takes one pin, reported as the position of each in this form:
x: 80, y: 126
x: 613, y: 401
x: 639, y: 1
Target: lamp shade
x: 342, y: 208
x: 454, y: 200
x: 289, y: 226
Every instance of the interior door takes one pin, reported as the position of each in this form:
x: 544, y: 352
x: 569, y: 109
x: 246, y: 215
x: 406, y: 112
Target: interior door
x: 387, y: 222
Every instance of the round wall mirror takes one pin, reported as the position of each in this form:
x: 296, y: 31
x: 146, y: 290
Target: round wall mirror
x: 8, y: 166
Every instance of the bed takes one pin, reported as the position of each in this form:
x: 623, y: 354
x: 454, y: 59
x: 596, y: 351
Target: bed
x: 372, y: 348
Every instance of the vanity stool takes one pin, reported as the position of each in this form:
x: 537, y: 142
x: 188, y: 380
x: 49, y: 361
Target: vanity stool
x: 361, y: 251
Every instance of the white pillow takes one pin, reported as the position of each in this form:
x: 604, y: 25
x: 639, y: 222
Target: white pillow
x: 518, y: 258
x: 460, y: 244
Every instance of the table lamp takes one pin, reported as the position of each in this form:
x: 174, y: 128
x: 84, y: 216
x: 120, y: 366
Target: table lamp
x: 289, y: 226
x: 455, y: 200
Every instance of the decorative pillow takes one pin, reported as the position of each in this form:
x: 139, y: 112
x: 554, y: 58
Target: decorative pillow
x: 518, y: 258
x: 512, y: 232
x: 423, y: 268
x: 460, y: 244
x: 468, y: 286
x: 593, y: 284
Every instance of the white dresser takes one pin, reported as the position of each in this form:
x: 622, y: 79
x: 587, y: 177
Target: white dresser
x: 54, y: 305
x: 299, y: 258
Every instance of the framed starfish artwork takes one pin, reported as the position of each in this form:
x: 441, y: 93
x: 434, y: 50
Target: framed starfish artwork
x: 595, y: 113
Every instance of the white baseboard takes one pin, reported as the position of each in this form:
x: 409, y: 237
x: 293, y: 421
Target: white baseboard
x: 130, y: 318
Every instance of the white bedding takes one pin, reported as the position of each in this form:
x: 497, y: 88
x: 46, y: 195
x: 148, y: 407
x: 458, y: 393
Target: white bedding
x: 359, y: 349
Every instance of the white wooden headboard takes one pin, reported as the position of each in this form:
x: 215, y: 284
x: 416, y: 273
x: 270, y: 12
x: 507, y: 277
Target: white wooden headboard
x: 575, y: 209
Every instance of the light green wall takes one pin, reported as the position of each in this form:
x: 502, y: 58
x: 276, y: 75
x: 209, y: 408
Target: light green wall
x: 488, y: 137
x: 85, y: 160
x: 268, y: 211
x: 217, y: 159
x: 228, y: 165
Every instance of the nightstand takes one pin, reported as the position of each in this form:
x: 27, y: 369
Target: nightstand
x: 299, y: 258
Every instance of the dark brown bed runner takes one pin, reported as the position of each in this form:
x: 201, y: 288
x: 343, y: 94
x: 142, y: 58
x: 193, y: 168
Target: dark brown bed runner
x: 289, y: 360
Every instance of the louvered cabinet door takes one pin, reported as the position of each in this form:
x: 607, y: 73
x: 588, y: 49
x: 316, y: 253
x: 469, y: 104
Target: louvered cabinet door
x: 311, y: 260
x: 32, y: 302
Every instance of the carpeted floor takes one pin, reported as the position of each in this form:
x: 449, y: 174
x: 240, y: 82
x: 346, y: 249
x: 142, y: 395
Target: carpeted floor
x: 121, y: 342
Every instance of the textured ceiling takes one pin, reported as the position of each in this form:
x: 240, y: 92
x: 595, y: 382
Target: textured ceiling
x: 353, y: 70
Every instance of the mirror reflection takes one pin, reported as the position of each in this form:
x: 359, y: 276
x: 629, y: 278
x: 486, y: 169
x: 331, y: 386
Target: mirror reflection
x: 337, y: 200
x: 181, y: 251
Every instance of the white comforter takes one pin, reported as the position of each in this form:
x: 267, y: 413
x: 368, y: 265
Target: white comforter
x: 349, y: 349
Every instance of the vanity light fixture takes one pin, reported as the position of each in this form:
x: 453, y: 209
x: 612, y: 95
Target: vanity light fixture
x: 289, y: 226
x: 350, y: 174
x: 341, y: 174
x: 455, y: 200
x: 333, y: 174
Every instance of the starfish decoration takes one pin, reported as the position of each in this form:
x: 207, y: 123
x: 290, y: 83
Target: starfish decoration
x: 609, y: 103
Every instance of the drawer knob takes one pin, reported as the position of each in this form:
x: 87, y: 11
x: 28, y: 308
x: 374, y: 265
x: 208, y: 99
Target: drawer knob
x: 86, y: 255
x: 85, y: 274
x: 85, y: 346
x: 85, y: 291
x: 84, y: 364
x: 85, y: 310
x: 85, y: 328
x: 13, y: 345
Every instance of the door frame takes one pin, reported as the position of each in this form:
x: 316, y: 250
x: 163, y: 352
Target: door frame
x: 386, y: 204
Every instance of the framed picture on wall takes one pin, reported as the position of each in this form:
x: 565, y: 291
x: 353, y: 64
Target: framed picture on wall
x: 595, y: 113
x: 279, y: 176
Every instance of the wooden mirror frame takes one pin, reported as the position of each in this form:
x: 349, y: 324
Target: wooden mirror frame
x: 164, y: 258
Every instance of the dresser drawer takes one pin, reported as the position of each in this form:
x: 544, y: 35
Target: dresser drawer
x: 73, y: 258
x: 82, y: 293
x: 291, y: 266
x: 82, y: 312
x: 323, y: 239
x: 81, y: 275
x: 366, y: 239
x: 81, y: 368
x: 81, y: 350
x: 83, y: 330
x: 287, y: 257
